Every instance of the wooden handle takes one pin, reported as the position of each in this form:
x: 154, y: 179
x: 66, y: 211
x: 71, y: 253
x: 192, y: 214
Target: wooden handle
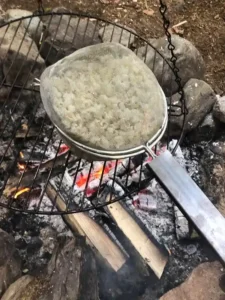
x: 149, y: 252
x: 94, y: 234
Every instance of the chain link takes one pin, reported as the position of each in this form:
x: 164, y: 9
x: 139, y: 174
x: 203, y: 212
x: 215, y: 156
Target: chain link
x: 40, y: 6
x: 166, y: 24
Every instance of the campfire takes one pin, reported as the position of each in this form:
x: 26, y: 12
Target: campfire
x: 136, y: 238
x: 87, y: 178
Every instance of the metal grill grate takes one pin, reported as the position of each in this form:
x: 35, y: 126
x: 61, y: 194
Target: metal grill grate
x: 37, y: 170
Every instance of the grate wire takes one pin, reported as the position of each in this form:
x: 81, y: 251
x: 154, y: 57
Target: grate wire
x: 16, y: 112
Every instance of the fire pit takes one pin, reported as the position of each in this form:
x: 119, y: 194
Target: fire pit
x: 33, y: 156
x: 41, y: 178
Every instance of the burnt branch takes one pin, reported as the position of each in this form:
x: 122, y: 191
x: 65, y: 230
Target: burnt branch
x: 27, y: 178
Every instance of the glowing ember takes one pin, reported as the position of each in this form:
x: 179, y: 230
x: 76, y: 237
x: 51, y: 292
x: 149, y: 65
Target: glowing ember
x: 81, y: 180
x: 89, y: 182
x: 63, y: 149
x: 21, y: 167
x: 99, y: 172
x: 21, y: 192
x: 95, y: 174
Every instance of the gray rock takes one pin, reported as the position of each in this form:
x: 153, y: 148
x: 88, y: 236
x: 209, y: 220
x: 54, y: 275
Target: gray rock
x: 202, y: 284
x: 61, y: 10
x: 10, y: 262
x: 33, y: 26
x: 49, y: 239
x: 218, y: 147
x: 205, y: 131
x: 72, y: 272
x: 200, y: 98
x: 66, y: 35
x: 189, y: 62
x: 17, y: 289
x: 191, y: 249
x: 12, y: 14
x: 20, y: 60
x: 219, y: 109
x: 115, y: 34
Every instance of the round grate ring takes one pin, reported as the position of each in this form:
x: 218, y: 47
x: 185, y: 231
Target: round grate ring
x: 39, y: 175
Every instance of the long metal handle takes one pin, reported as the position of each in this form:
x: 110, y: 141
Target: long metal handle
x: 191, y: 200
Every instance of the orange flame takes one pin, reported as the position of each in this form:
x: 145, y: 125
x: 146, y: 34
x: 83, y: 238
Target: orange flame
x: 21, y: 192
x: 95, y: 174
x: 98, y: 173
x: 21, y: 154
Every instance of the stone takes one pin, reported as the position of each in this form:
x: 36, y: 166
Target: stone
x: 33, y: 26
x: 218, y: 147
x: 16, y: 289
x: 65, y: 35
x: 20, y: 60
x: 28, y: 288
x: 219, y: 109
x: 199, y: 100
x: 191, y: 249
x: 111, y: 69
x: 203, y: 283
x: 49, y: 239
x: 61, y: 10
x: 12, y: 14
x: 205, y: 131
x: 115, y: 34
x: 10, y: 262
x: 72, y: 272
x: 189, y: 62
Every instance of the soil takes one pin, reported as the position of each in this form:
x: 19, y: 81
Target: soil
x: 205, y: 26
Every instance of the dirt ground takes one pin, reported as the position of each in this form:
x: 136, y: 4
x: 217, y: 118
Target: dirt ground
x: 205, y: 25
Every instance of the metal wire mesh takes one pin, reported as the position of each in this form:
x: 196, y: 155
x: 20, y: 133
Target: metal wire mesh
x: 37, y: 170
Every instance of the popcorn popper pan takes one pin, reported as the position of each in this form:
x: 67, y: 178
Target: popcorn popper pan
x: 174, y: 178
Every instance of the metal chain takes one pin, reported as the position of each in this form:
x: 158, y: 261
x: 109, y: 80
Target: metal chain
x: 40, y: 6
x: 166, y: 24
